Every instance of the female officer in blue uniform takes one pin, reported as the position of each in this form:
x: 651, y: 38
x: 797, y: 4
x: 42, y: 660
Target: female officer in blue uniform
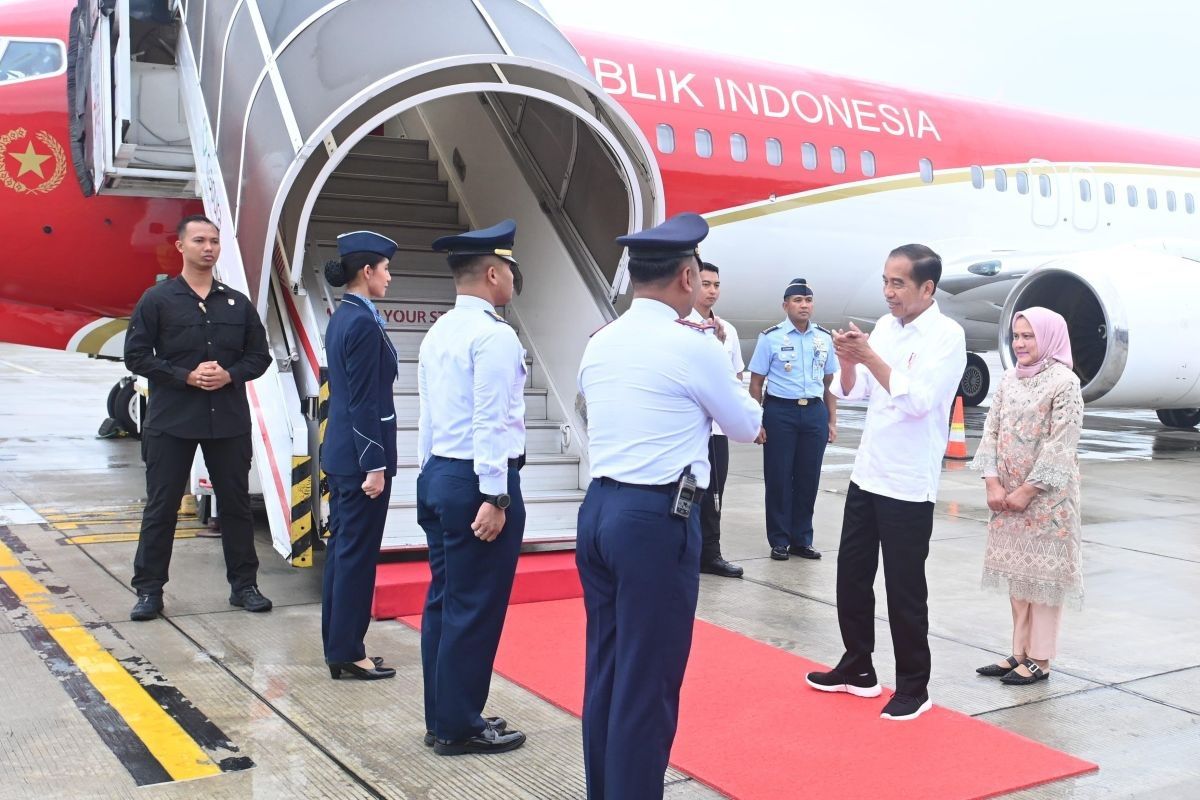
x: 359, y: 451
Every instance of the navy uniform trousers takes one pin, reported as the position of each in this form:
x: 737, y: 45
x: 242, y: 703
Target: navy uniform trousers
x: 640, y: 569
x: 792, y: 456
x: 351, y: 554
x: 468, y: 596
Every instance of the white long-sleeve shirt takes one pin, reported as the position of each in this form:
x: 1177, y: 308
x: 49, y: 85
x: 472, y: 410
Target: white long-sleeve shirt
x: 653, y: 386
x: 732, y: 347
x: 904, y: 439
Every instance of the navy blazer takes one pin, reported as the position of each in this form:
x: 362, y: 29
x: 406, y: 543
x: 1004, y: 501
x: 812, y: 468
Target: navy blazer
x: 360, y: 435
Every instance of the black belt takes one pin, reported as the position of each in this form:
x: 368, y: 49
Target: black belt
x: 662, y: 488
x: 513, y: 463
x: 793, y: 401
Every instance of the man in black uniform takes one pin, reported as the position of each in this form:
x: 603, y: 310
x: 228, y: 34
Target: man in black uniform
x: 198, y: 342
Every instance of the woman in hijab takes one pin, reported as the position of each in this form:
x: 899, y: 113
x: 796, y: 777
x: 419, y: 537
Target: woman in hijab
x: 1031, y: 468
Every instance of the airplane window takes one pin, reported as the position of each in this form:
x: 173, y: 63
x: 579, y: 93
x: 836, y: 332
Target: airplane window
x: 704, y: 144
x: 1044, y: 185
x: 666, y: 138
x: 926, y: 170
x: 1189, y: 203
x: 1110, y: 193
x: 774, y: 152
x: 1085, y: 190
x: 867, y: 162
x: 1022, y: 182
x: 1152, y: 199
x: 1131, y: 193
x: 808, y: 155
x: 1171, y: 204
x: 22, y: 60
x: 837, y: 159
x: 977, y: 176
x: 737, y: 147
x: 1001, y: 180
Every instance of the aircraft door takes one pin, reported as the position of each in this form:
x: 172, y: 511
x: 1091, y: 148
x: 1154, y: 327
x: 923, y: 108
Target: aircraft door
x: 1045, y: 192
x: 1085, y: 203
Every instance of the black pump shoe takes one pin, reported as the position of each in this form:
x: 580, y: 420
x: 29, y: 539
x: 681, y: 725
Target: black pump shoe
x: 360, y: 673
x: 997, y: 671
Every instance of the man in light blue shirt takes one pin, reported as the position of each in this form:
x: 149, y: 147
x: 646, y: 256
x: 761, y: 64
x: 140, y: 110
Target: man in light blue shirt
x: 796, y: 361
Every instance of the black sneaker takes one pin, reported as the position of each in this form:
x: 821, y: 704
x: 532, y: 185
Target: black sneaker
x: 864, y: 685
x: 250, y: 599
x: 780, y: 553
x: 147, y: 607
x: 497, y: 723
x: 906, y: 706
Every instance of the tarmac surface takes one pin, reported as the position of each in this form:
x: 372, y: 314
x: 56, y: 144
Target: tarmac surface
x: 252, y: 698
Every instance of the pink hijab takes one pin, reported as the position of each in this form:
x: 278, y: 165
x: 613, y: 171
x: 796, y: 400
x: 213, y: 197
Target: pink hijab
x: 1053, y: 340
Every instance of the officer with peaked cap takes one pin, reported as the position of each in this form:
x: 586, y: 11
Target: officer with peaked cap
x: 358, y: 454
x: 470, y: 445
x: 796, y: 360
x: 653, y: 384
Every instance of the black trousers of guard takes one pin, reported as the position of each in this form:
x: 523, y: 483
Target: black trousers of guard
x: 168, y: 466
x: 902, y: 529
x: 710, y: 506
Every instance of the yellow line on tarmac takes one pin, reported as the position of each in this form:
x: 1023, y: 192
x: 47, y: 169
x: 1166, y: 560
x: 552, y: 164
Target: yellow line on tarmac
x: 178, y: 752
x: 106, y: 538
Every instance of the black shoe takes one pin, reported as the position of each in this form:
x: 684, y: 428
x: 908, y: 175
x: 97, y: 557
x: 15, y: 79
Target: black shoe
x: 804, y: 551
x: 719, y: 566
x: 864, y: 685
x: 997, y: 671
x: 147, y: 607
x: 779, y: 553
x: 250, y: 599
x: 1015, y: 678
x: 496, y: 723
x: 360, y: 673
x: 489, y: 740
x: 906, y: 706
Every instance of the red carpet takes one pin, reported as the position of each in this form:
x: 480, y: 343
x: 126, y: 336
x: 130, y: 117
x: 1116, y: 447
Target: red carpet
x: 751, y: 728
x: 400, y: 587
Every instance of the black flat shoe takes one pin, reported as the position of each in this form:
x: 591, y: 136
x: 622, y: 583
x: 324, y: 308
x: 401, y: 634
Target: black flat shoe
x: 779, y: 553
x: 496, y: 723
x: 997, y: 671
x: 489, y: 740
x: 719, y: 566
x: 804, y: 551
x: 1036, y: 674
x: 360, y: 673
x: 147, y: 607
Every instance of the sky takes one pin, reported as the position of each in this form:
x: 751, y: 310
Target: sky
x: 1129, y: 64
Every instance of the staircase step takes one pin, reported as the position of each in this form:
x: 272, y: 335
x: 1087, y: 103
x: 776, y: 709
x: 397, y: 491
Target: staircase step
x: 392, y: 146
x: 345, y: 181
x: 416, y: 286
x: 417, y: 234
x: 542, y: 437
x: 406, y: 377
x: 408, y: 405
x: 542, y: 473
x: 390, y: 166
x: 338, y: 204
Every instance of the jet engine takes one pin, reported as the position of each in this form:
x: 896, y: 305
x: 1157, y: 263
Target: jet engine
x: 1134, y: 318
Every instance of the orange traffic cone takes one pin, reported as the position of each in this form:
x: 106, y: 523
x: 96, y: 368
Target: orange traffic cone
x: 956, y: 448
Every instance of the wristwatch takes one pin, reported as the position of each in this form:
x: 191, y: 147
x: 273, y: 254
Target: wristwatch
x: 500, y: 501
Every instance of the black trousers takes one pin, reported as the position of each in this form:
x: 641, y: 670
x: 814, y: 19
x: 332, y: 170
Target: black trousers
x: 902, y: 529
x: 168, y: 465
x: 710, y: 506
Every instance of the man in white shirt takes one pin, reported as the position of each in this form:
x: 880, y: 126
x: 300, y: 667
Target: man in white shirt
x: 711, y: 560
x: 908, y: 370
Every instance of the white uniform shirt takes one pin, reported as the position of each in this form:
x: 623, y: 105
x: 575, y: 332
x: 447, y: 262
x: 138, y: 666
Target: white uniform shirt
x: 653, y: 387
x: 471, y: 380
x: 904, y: 439
x: 733, y: 348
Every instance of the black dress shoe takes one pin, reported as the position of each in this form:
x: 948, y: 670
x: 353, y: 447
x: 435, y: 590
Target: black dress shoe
x: 489, y: 740
x: 360, y: 673
x: 250, y: 598
x: 779, y: 553
x: 147, y: 607
x: 804, y: 551
x: 719, y: 566
x: 497, y: 723
x: 997, y: 671
x: 1036, y: 674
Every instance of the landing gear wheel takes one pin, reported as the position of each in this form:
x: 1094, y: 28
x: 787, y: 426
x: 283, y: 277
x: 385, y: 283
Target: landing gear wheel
x: 976, y: 380
x: 1179, y: 417
x: 126, y: 406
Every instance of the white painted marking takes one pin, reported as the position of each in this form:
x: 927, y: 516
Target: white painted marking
x: 19, y: 367
x: 19, y: 514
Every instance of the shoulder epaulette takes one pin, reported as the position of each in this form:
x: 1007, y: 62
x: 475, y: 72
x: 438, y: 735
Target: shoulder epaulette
x: 771, y: 329
x: 496, y: 316
x: 706, y: 327
x: 823, y: 330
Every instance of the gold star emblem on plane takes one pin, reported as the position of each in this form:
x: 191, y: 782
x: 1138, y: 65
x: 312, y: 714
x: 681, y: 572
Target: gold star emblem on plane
x: 40, y: 147
x: 30, y: 161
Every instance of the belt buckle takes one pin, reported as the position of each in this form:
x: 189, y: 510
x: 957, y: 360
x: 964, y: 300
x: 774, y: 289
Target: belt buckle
x: 803, y: 401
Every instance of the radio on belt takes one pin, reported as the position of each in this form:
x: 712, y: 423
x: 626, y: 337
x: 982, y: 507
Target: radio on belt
x: 685, y: 495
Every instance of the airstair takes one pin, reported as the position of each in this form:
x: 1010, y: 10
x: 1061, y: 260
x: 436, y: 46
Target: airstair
x: 308, y: 118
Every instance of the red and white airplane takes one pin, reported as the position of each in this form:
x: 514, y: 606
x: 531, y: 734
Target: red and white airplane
x: 799, y: 173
